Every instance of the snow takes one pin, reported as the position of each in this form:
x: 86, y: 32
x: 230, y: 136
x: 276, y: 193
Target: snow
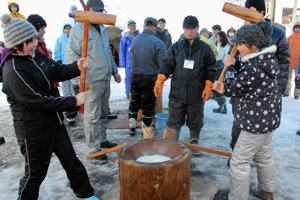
x: 153, y: 159
x: 216, y: 133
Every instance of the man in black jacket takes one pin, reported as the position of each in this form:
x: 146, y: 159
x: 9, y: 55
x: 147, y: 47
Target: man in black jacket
x: 193, y: 67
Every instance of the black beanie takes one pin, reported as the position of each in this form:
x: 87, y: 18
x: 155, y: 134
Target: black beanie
x: 190, y: 22
x: 258, y: 4
x: 37, y: 21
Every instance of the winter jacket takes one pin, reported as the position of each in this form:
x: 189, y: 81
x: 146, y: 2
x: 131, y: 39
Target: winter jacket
x: 101, y: 63
x: 148, y: 53
x: 223, y: 51
x: 187, y: 84
x: 294, y: 44
x: 17, y: 15
x: 60, y: 53
x: 212, y: 46
x: 32, y: 98
x: 125, y: 46
x: 164, y: 36
x: 257, y: 104
x: 282, y: 55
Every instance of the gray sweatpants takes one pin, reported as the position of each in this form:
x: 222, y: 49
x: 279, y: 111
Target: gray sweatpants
x: 96, y: 110
x: 248, y: 147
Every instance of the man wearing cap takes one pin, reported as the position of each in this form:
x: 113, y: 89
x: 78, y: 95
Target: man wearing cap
x: 101, y: 68
x: 191, y: 63
x: 125, y: 55
x: 148, y: 53
x: 163, y: 33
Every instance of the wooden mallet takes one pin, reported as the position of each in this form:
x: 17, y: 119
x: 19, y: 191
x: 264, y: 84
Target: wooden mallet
x: 249, y: 15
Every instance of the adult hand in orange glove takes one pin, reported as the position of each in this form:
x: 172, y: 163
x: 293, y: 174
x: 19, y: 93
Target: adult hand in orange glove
x: 161, y: 78
x: 207, y: 91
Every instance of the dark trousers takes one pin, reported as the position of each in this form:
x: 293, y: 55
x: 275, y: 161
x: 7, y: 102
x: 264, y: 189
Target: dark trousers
x: 235, y: 133
x: 142, y: 97
x: 38, y: 150
x: 192, y: 114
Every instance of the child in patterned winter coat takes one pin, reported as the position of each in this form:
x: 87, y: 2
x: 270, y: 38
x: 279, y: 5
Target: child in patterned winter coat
x: 257, y: 110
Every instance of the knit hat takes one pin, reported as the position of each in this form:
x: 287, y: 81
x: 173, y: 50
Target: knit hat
x: 258, y: 4
x: 255, y: 34
x: 37, y: 21
x: 96, y: 5
x: 190, y: 22
x: 131, y: 22
x: 150, y: 21
x: 16, y: 31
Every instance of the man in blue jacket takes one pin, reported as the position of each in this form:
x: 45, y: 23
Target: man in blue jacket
x: 148, y: 53
x: 125, y: 55
x: 61, y: 57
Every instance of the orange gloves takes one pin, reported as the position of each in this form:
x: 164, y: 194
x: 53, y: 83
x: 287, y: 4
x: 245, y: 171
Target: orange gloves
x: 207, y: 91
x: 161, y: 78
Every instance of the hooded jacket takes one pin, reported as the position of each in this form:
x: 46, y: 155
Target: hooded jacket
x: 125, y: 46
x: 294, y: 44
x: 257, y: 105
x: 33, y: 100
x: 187, y: 84
x: 101, y: 63
x: 60, y: 50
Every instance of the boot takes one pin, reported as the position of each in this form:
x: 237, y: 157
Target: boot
x: 195, y: 152
x: 107, y: 144
x: 2, y: 140
x: 263, y: 195
x: 132, y: 126
x: 298, y: 132
x: 222, y: 105
x: 112, y: 115
x: 92, y: 198
x: 147, y: 131
x: 222, y: 109
x: 102, y: 157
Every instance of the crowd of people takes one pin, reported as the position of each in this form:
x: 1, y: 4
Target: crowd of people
x: 264, y: 70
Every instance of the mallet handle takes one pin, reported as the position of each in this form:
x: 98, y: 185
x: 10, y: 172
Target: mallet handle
x: 84, y: 50
x: 208, y: 150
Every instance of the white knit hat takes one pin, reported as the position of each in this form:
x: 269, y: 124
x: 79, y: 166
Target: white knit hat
x: 16, y: 31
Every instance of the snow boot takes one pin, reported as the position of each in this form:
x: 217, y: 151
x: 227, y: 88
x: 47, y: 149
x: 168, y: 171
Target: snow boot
x: 107, y: 144
x: 132, y: 126
x: 93, y: 198
x: 263, y: 195
x: 2, y: 140
x: 147, y: 131
x: 298, y: 132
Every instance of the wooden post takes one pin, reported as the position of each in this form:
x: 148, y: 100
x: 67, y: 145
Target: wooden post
x: 159, y: 181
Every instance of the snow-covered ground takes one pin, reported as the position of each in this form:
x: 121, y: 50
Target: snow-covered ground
x: 215, y: 133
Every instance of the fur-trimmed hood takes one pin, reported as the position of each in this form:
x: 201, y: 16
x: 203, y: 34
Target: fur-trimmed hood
x: 270, y: 49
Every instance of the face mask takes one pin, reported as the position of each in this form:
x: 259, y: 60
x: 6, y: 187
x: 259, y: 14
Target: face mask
x: 230, y: 34
x: 297, y: 29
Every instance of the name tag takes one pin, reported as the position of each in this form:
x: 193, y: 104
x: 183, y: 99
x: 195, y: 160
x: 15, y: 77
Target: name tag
x: 188, y: 64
